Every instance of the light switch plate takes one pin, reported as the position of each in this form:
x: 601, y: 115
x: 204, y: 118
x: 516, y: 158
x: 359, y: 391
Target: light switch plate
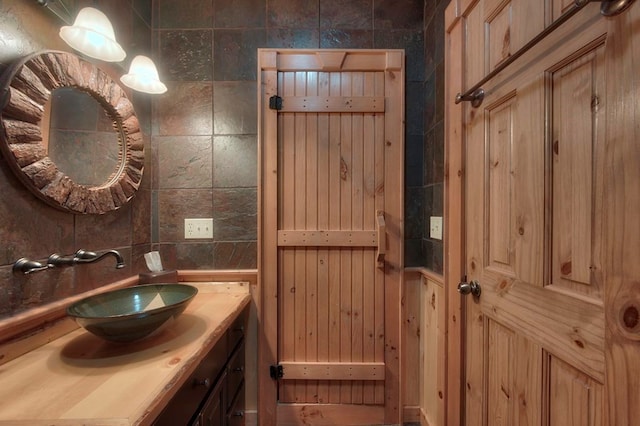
x: 435, y: 227
x: 198, y: 228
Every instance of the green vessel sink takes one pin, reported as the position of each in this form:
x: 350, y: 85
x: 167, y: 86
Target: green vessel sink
x: 132, y: 313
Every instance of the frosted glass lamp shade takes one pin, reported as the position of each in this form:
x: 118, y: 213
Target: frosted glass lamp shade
x: 143, y: 76
x: 92, y: 34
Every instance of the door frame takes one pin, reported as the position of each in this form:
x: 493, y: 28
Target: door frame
x: 270, y: 61
x: 454, y: 216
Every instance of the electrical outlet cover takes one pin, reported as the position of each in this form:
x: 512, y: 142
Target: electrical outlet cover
x: 198, y: 228
x: 435, y: 228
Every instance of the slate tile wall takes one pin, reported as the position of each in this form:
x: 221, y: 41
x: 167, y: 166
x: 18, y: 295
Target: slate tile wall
x: 204, y: 128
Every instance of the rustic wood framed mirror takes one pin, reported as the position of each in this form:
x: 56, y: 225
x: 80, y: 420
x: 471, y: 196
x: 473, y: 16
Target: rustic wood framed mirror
x: 26, y: 92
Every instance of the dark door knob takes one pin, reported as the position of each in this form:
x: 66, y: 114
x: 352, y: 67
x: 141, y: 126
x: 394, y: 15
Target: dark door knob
x: 472, y: 287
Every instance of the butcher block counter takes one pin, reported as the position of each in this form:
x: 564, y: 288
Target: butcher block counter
x: 79, y: 379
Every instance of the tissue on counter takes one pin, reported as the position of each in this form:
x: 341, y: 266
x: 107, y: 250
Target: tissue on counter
x: 157, y: 274
x: 154, y: 263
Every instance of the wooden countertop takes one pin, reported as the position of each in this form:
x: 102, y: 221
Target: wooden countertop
x: 79, y: 379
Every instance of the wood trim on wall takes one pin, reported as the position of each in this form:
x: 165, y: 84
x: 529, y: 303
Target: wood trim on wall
x: 454, y: 264
x: 424, y: 347
x: 411, y: 308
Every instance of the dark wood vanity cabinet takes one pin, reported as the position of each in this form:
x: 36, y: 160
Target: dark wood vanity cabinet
x: 214, y: 394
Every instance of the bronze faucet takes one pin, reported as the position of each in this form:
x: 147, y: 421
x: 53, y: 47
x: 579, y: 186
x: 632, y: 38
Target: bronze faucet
x: 84, y: 256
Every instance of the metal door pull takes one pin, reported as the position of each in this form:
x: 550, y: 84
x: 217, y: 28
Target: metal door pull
x: 382, y: 238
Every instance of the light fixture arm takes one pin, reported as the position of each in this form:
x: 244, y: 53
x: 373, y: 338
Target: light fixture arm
x: 61, y: 11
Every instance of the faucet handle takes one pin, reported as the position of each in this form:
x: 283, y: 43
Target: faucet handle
x: 85, y: 254
x: 27, y: 266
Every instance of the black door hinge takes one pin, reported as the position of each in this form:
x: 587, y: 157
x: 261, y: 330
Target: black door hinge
x: 275, y: 102
x: 276, y: 372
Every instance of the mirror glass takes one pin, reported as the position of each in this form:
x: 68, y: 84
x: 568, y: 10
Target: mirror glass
x: 69, y: 133
x: 82, y: 140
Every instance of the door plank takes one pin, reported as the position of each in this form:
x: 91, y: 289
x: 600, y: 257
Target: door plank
x: 287, y: 257
x: 299, y: 213
x: 333, y: 104
x: 317, y: 238
x: 394, y: 214
x: 357, y: 222
x: 379, y: 295
x: 323, y: 223
x: 334, y: 223
x: 333, y: 370
x: 346, y: 206
x: 368, y: 277
x: 311, y: 209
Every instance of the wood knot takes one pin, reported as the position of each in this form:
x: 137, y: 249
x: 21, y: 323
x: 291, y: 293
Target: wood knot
x: 565, y: 268
x: 344, y: 169
x: 579, y: 343
x: 523, y: 399
x: 631, y: 317
x: 521, y: 230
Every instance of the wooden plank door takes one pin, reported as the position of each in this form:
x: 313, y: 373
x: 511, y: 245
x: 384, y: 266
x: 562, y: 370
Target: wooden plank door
x: 552, y: 195
x: 331, y: 235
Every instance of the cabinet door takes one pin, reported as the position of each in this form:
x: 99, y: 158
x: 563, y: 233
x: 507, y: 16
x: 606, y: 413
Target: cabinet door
x: 212, y: 413
x: 235, y: 415
x: 188, y: 399
x: 235, y: 374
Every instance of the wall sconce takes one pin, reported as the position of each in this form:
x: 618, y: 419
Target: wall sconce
x: 143, y: 76
x: 92, y: 34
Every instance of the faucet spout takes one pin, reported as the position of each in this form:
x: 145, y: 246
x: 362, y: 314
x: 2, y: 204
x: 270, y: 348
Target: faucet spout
x: 85, y: 256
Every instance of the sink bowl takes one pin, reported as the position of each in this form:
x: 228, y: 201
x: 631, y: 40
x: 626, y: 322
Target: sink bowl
x: 132, y: 313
